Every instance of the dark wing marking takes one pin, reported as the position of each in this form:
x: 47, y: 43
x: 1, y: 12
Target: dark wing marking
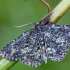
x: 25, y: 48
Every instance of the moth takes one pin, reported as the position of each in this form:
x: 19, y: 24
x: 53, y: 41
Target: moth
x: 44, y: 41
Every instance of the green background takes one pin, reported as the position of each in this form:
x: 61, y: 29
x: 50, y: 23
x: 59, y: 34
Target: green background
x: 18, y: 12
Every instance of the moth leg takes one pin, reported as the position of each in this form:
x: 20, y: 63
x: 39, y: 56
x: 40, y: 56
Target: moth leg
x: 49, y: 9
x: 46, y: 19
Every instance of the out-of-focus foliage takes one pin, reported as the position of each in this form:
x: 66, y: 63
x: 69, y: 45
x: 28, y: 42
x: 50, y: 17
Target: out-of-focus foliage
x: 18, y: 12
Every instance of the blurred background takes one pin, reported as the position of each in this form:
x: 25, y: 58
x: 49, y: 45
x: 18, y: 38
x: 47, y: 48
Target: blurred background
x: 17, y: 13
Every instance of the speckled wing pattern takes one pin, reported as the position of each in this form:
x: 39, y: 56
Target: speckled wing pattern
x: 38, y: 44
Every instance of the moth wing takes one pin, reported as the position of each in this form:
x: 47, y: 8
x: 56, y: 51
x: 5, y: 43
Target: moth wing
x: 11, y: 50
x: 57, y: 39
x: 25, y: 48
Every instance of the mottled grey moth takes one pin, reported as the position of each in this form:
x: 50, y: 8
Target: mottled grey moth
x: 44, y: 41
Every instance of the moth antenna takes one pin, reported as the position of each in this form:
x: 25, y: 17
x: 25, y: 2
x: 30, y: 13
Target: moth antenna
x: 23, y: 25
x: 47, y: 15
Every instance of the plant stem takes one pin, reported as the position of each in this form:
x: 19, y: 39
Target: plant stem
x: 58, y: 11
x: 6, y: 64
